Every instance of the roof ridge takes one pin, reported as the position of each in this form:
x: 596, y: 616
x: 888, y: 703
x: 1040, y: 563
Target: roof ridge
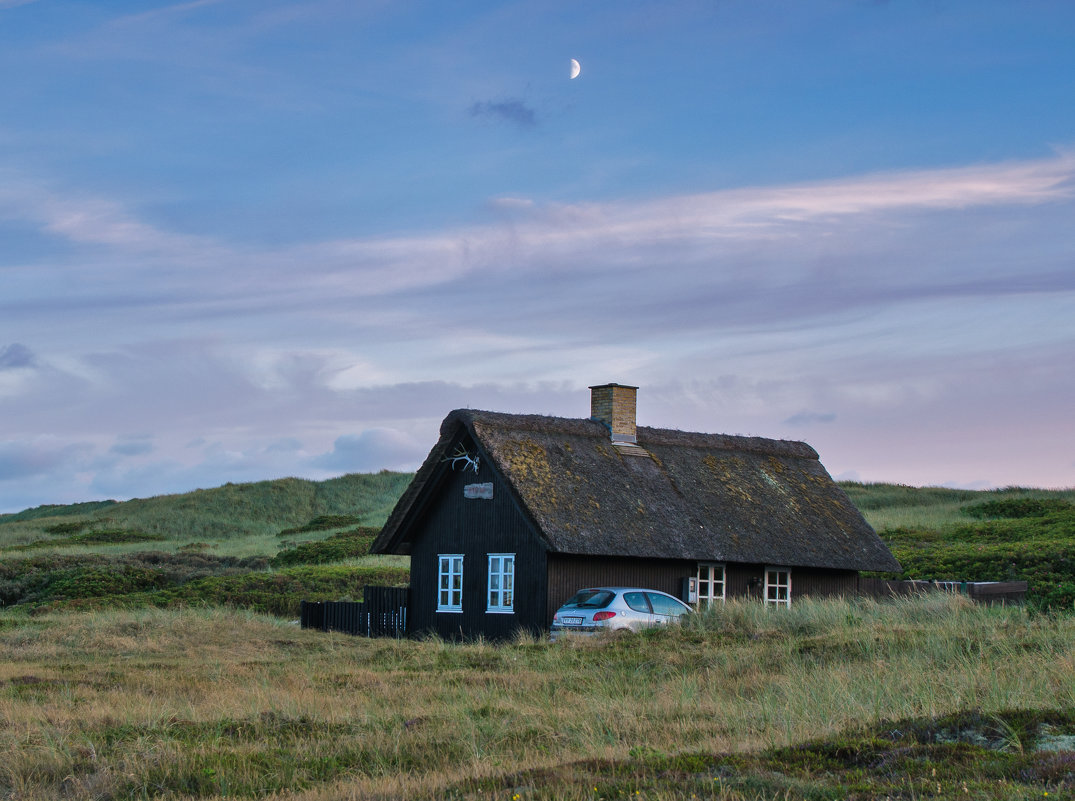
x: 658, y: 436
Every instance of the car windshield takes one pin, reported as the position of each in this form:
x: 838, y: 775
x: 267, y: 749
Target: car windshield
x: 591, y: 599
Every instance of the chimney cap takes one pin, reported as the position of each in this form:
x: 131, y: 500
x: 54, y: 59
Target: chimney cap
x: 613, y: 384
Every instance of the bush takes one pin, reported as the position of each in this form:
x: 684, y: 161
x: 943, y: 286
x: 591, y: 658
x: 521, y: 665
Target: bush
x: 45, y: 579
x: 71, y: 527
x: 269, y: 593
x: 1014, y: 508
x: 336, y: 548
x: 103, y: 537
x: 322, y: 523
x: 1039, y: 550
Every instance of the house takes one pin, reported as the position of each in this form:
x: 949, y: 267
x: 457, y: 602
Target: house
x: 510, y: 514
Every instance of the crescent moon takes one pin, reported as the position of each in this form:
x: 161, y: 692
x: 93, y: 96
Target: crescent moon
x: 576, y: 68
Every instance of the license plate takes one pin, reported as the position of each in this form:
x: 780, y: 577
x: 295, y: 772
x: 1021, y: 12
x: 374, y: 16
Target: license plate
x: 571, y: 621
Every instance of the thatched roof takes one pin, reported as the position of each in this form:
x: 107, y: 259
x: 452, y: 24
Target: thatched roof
x: 678, y: 495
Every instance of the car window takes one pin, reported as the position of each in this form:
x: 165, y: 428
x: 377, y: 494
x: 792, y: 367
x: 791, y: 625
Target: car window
x: 663, y: 605
x: 591, y: 599
x: 637, y: 601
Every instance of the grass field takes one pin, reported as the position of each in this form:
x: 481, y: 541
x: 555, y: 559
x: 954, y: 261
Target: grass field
x: 929, y: 698
x: 147, y: 651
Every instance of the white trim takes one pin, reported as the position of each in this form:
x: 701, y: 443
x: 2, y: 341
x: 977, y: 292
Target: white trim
x: 500, y: 584
x: 777, y: 587
x: 715, y: 573
x: 450, y: 582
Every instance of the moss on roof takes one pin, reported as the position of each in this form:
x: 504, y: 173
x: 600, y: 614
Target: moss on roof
x: 679, y: 495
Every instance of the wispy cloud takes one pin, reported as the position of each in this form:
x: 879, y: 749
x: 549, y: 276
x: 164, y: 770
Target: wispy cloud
x: 526, y: 283
x: 513, y: 111
x: 806, y: 304
x: 809, y: 418
x: 373, y: 449
x: 16, y: 356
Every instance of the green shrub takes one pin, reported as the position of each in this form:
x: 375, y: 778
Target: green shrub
x: 56, y: 510
x: 346, y: 545
x: 323, y: 523
x: 1013, y: 508
x: 1039, y: 550
x: 269, y: 593
x: 70, y: 527
x: 103, y: 537
x: 44, y: 579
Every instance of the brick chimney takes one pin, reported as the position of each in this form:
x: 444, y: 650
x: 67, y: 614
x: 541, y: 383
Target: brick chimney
x: 614, y: 405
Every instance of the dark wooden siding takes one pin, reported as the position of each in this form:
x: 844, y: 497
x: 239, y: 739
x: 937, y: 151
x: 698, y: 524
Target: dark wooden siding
x: 570, y: 573
x: 475, y: 528
x: 748, y: 581
x: 567, y: 574
x: 818, y: 583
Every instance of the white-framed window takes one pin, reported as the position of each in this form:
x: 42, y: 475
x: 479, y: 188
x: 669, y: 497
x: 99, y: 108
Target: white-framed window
x: 450, y: 582
x: 501, y: 597
x: 710, y: 584
x: 778, y: 586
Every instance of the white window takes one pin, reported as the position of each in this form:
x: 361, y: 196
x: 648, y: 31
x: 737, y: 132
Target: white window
x: 778, y: 586
x: 450, y: 583
x: 710, y: 584
x: 501, y: 582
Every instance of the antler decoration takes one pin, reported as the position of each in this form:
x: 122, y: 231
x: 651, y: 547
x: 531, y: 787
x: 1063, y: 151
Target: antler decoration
x: 461, y: 455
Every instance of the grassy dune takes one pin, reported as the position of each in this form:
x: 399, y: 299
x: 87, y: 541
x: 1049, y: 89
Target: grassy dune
x: 236, y: 519
x: 894, y: 506
x: 742, y: 703
x: 134, y: 664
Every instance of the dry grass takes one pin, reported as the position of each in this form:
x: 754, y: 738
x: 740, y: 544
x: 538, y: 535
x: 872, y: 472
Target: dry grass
x: 213, y: 704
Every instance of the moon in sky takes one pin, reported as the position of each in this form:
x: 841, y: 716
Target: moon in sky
x: 576, y: 68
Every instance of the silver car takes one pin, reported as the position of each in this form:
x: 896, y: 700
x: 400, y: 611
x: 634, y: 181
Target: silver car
x: 616, y: 609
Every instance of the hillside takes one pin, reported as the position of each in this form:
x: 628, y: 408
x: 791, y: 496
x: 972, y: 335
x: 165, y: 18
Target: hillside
x: 998, y: 535
x: 233, y: 512
x: 264, y: 546
x: 229, y: 544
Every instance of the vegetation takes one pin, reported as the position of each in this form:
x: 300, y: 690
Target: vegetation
x: 228, y: 516
x: 104, y: 537
x: 323, y: 523
x: 263, y: 547
x: 345, y: 545
x: 1004, y: 535
x: 135, y: 673
x: 930, y: 698
x: 54, y: 510
x: 888, y: 506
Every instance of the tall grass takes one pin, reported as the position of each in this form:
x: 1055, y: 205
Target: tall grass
x: 890, y: 506
x: 208, y: 704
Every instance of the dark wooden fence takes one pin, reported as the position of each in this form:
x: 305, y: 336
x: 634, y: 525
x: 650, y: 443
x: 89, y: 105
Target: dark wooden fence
x: 985, y: 592
x: 381, y: 613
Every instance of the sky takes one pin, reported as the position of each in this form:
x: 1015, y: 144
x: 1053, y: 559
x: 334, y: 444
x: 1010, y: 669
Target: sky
x: 249, y: 239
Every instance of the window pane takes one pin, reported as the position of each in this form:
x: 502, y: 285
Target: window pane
x: 500, y: 582
x: 450, y: 583
x: 663, y: 605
